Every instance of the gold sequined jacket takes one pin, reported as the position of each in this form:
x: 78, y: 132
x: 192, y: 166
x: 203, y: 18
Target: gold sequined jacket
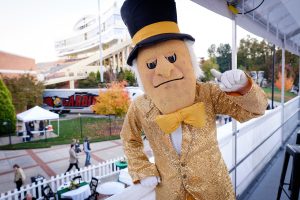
x: 200, y: 169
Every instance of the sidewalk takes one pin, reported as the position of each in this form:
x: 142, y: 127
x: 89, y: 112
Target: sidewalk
x: 51, y: 161
x: 19, y: 139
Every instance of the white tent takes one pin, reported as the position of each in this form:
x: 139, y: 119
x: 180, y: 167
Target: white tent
x: 37, y: 113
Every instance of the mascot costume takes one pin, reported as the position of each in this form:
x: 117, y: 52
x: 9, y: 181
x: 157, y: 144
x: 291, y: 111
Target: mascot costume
x: 178, y: 114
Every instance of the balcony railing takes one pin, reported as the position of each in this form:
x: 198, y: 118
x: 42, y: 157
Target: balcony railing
x: 247, y: 151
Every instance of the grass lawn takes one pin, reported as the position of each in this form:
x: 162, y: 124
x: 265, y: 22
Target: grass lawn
x: 277, y: 94
x: 98, y: 129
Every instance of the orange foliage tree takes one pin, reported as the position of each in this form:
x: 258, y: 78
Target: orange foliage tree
x: 113, y: 101
x: 288, y: 79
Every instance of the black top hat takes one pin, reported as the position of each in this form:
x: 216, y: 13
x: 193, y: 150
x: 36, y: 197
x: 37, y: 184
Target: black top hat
x: 149, y: 22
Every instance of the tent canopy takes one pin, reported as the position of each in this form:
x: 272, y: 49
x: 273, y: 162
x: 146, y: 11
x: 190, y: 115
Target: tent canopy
x: 36, y: 113
x: 278, y: 21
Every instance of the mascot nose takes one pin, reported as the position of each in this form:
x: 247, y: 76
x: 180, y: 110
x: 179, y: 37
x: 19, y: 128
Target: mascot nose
x: 164, y: 67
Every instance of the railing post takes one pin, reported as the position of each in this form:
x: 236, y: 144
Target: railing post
x: 282, y: 88
x: 234, y: 123
x: 53, y: 186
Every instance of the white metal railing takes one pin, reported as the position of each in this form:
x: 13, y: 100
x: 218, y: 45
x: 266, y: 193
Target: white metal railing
x: 99, y: 171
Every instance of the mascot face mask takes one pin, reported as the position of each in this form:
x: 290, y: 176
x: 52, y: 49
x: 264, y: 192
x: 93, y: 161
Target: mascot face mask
x: 167, y: 74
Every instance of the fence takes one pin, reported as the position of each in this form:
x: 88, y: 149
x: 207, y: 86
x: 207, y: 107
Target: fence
x: 99, y: 171
x: 88, y: 125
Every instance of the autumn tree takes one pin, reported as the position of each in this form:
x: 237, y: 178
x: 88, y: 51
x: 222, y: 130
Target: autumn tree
x: 113, y: 101
x: 292, y: 60
x: 288, y: 78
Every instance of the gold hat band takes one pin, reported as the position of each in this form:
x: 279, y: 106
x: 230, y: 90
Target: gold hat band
x: 155, y: 29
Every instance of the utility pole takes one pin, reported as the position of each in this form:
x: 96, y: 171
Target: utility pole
x: 101, y: 70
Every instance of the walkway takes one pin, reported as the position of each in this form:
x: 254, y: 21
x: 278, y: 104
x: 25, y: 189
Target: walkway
x: 51, y: 161
x: 266, y: 185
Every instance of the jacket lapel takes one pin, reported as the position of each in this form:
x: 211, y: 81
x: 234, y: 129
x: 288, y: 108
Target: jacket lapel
x: 150, y: 116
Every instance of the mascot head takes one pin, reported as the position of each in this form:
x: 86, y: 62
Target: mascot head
x: 162, y: 55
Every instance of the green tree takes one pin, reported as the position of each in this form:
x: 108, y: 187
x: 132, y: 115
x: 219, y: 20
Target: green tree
x: 206, y: 66
x: 98, y: 75
x: 129, y: 77
x: 7, y: 111
x: 90, y: 82
x: 224, y: 57
x: 212, y: 51
x: 254, y: 55
x: 26, y: 91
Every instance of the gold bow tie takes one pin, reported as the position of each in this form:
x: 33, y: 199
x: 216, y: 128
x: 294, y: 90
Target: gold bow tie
x: 193, y: 115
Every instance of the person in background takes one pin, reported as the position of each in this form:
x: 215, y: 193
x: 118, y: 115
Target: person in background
x: 73, y: 158
x: 19, y: 176
x: 87, y: 150
x: 31, y: 125
x: 28, y: 129
x: 77, y: 146
x: 29, y: 197
x: 73, y: 141
x: 41, y: 127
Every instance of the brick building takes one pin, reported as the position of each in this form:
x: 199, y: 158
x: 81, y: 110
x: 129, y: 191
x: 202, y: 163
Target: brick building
x: 13, y: 65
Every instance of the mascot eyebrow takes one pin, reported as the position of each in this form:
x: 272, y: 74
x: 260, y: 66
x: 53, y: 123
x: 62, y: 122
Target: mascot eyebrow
x: 172, y: 58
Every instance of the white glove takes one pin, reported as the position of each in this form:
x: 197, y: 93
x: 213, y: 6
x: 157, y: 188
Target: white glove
x: 230, y: 81
x: 150, y: 181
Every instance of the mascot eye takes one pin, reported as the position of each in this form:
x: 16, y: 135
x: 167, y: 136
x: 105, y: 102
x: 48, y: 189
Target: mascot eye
x: 152, y: 65
x: 171, y: 58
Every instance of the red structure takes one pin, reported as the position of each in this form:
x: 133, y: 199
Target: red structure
x: 13, y: 65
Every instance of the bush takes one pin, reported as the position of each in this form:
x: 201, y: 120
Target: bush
x: 7, y: 111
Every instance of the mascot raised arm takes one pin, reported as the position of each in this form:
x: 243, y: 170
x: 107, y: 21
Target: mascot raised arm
x: 178, y: 114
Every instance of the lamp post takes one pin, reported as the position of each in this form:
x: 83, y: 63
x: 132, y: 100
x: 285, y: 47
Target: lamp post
x: 7, y: 125
x: 100, y: 45
x: 273, y: 74
x: 80, y: 124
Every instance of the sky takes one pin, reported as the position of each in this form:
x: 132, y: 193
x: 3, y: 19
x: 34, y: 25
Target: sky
x: 30, y: 27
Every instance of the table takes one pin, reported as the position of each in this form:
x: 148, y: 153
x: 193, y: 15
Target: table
x: 111, y: 188
x: 80, y: 193
x: 121, y: 164
x: 124, y: 177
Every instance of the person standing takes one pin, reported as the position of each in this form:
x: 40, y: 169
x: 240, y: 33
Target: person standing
x: 73, y: 158
x: 41, y: 127
x: 87, y: 150
x: 77, y: 146
x: 19, y: 176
